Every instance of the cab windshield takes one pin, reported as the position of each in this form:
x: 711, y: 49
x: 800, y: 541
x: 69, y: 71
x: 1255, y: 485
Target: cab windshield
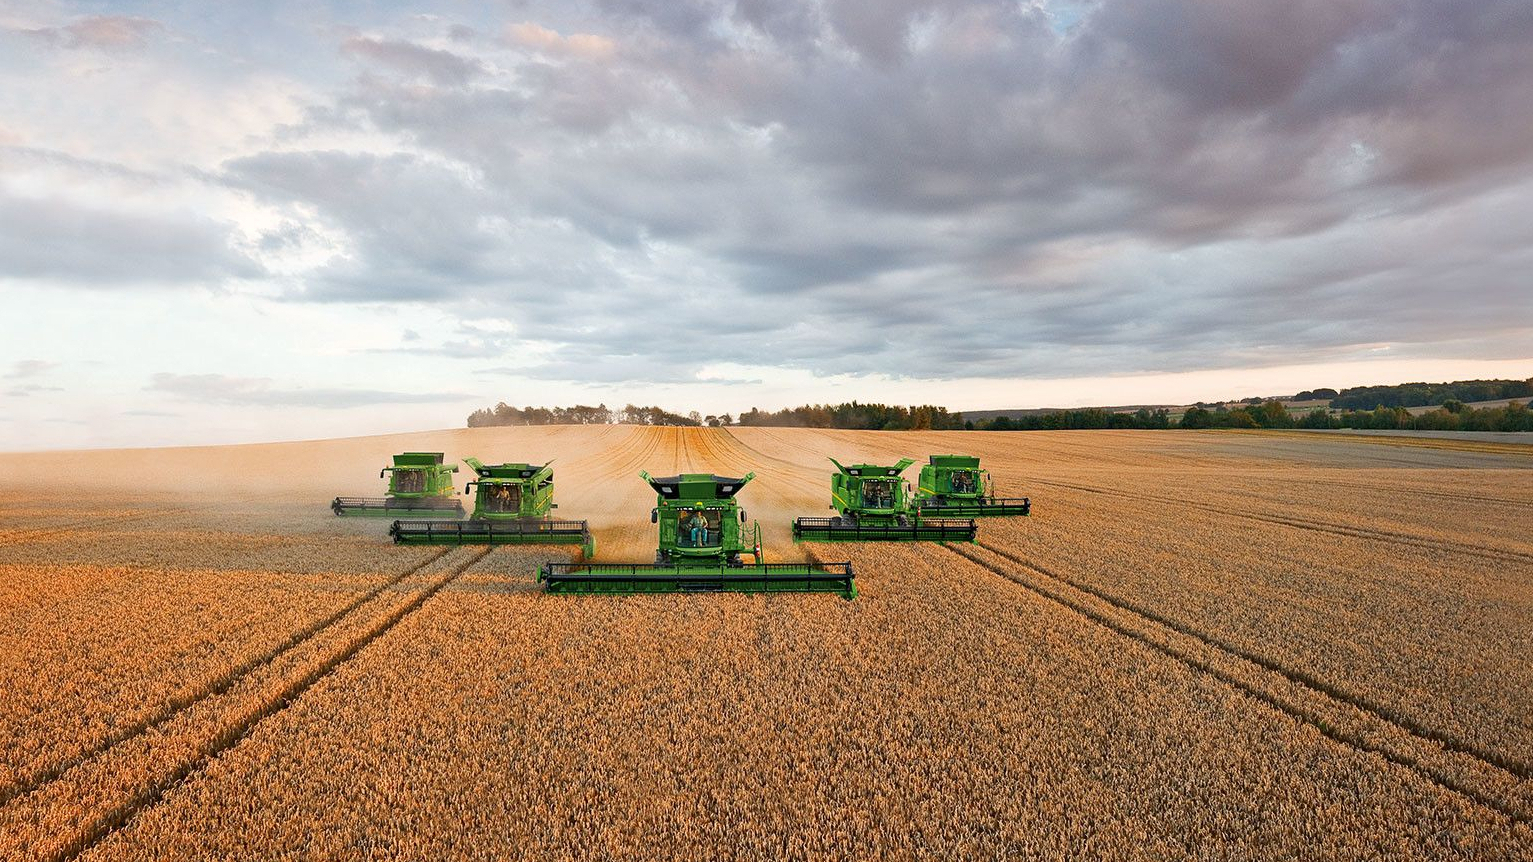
x: 699, y: 528
x: 964, y: 482
x: 501, y: 498
x: 409, y: 481
x: 878, y: 494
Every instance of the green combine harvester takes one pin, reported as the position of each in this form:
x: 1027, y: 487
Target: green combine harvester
x: 875, y: 506
x: 703, y: 538
x: 954, y: 485
x: 511, y: 506
x: 419, y: 485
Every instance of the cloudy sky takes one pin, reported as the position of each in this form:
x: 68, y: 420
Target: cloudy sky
x: 267, y: 221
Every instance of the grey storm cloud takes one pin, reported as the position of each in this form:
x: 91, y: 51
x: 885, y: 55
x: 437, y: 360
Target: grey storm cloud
x: 923, y: 188
x: 97, y: 246
x: 420, y: 230
x: 259, y: 392
x: 442, y: 67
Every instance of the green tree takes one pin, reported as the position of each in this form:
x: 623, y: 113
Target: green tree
x: 1196, y: 417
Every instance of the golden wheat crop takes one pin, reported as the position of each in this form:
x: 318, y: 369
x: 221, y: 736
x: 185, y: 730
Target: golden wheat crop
x: 1200, y: 646
x: 946, y: 715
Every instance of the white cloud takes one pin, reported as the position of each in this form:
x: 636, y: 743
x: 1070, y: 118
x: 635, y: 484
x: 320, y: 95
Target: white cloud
x: 733, y: 204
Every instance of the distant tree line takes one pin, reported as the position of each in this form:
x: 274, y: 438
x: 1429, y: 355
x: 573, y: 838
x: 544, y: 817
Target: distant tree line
x: 874, y: 417
x: 1422, y: 394
x: 580, y: 414
x: 1315, y: 395
x: 1071, y: 420
x: 1452, y: 416
x: 866, y: 417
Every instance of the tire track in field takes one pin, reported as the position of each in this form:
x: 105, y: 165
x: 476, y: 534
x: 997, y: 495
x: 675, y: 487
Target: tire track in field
x: 1371, y: 533
x: 1483, y: 777
x: 597, y: 492
x: 791, y: 466
x: 777, y: 437
x: 727, y: 449
x: 792, y: 475
x: 1379, y: 711
x: 682, y: 449
x: 231, y: 733
x: 629, y: 456
x: 177, y: 705
x: 1521, y: 770
x: 638, y: 448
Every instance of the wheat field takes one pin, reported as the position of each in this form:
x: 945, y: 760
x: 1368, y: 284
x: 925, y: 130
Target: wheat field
x: 1202, y: 645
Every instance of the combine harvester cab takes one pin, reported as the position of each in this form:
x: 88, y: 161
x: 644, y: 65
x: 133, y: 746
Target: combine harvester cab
x: 875, y: 506
x: 955, y: 486
x: 703, y: 539
x: 511, y: 507
x: 420, y: 486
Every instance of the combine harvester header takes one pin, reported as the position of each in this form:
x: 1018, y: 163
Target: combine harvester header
x: 702, y: 540
x: 954, y: 485
x: 511, y: 507
x: 875, y: 506
x: 419, y: 485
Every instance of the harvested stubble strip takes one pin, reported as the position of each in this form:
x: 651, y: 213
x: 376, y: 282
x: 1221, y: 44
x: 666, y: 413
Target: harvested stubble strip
x: 1507, y: 542
x: 946, y: 714
x: 85, y: 668
x: 1484, y: 511
x: 1430, y: 640
x: 103, y: 793
x: 84, y: 674
x: 1333, y: 715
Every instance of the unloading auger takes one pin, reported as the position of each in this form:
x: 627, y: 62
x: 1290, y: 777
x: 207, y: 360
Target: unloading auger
x: 420, y: 486
x: 511, y: 507
x: 874, y: 505
x: 954, y: 485
x: 703, y: 540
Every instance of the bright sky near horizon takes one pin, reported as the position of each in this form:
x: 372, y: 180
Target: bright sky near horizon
x: 225, y: 223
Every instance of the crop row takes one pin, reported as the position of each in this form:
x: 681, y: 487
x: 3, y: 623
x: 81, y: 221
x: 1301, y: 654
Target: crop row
x: 91, y: 651
x: 102, y: 792
x: 1434, y: 639
x: 1419, y: 607
x: 945, y: 714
